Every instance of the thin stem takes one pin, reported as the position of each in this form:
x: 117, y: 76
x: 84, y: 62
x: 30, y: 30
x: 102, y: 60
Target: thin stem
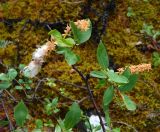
x: 38, y: 85
x: 80, y: 101
x: 124, y: 123
x: 49, y: 27
x: 85, y: 79
x: 14, y: 99
x: 68, y: 83
x: 6, y: 112
x: 22, y: 86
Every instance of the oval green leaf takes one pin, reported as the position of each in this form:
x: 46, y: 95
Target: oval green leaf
x: 129, y: 86
x: 4, y: 77
x: 64, y: 42
x: 107, y: 97
x: 70, y: 56
x: 56, y: 34
x: 5, y: 85
x: 102, y: 56
x: 73, y: 116
x: 98, y: 74
x: 114, y: 77
x: 20, y: 113
x: 130, y: 105
x: 12, y: 73
x: 127, y: 72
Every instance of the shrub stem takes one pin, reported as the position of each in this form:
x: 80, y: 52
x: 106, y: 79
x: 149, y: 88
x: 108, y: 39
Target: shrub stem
x: 85, y: 79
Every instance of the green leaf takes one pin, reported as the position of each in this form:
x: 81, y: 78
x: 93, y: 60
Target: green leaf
x: 156, y: 35
x: 64, y: 42
x: 21, y: 66
x: 61, y: 125
x: 3, y: 123
x: 127, y: 72
x: 27, y: 86
x: 39, y: 124
x: 128, y: 102
x: 148, y: 29
x: 18, y: 87
x: 129, y: 86
x: 80, y: 36
x: 51, y: 82
x: 68, y: 42
x: 156, y: 59
x: 55, y: 33
x: 102, y: 56
x: 5, y: 85
x: 20, y: 113
x: 116, y: 130
x: 55, y: 102
x: 114, y: 77
x: 4, y: 77
x: 98, y: 74
x: 12, y: 73
x: 107, y: 117
x: 49, y: 123
x: 57, y: 128
x: 107, y: 97
x: 101, y: 83
x: 70, y: 56
x: 156, y: 54
x: 73, y: 116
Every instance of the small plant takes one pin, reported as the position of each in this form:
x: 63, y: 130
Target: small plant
x: 51, y: 107
x: 7, y: 78
x: 156, y: 59
x: 121, y: 82
x: 149, y: 31
x: 4, y: 43
x: 151, y: 35
x: 153, y: 42
x: 130, y: 12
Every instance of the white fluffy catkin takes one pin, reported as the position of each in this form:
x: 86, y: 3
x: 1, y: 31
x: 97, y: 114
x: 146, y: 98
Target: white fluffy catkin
x: 37, y: 59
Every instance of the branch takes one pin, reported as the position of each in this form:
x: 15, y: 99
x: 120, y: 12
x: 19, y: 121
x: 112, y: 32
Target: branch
x: 57, y: 80
x: 85, y: 79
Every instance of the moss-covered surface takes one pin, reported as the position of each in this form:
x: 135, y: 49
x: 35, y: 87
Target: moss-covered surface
x: 121, y: 36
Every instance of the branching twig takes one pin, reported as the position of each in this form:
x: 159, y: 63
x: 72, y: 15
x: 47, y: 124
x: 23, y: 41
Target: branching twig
x: 57, y: 80
x: 80, y: 101
x: 38, y: 85
x: 124, y: 123
x: 85, y: 79
x: 22, y: 87
x: 14, y: 99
